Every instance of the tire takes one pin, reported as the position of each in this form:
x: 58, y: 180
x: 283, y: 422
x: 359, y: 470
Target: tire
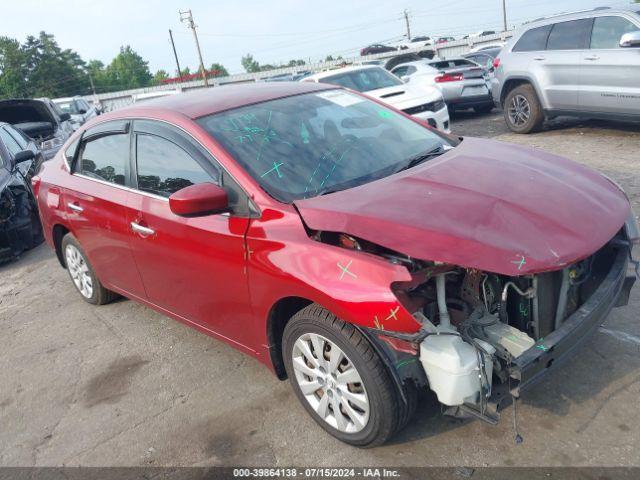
x: 378, y: 412
x: 82, y: 274
x: 483, y: 109
x: 522, y: 110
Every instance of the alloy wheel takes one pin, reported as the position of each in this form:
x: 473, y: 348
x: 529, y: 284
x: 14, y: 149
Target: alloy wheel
x: 330, y: 383
x: 79, y: 271
x: 519, y: 110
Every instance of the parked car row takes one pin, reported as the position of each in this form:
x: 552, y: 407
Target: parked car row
x: 584, y: 64
x: 421, y: 41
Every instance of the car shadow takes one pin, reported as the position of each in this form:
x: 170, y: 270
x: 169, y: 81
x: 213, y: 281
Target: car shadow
x: 562, y: 123
x: 27, y: 258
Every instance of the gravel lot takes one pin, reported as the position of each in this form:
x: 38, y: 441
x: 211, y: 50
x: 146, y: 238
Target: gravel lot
x: 123, y: 385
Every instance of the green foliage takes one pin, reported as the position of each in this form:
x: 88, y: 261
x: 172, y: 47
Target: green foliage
x: 296, y: 63
x: 250, y: 64
x: 219, y: 68
x: 12, y: 69
x: 159, y: 77
x: 128, y: 70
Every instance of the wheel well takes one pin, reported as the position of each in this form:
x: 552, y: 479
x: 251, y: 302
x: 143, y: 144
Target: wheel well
x: 510, y: 85
x: 280, y: 314
x: 59, y: 232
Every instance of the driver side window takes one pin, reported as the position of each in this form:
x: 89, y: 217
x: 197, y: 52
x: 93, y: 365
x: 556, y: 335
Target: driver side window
x: 607, y: 32
x: 163, y: 167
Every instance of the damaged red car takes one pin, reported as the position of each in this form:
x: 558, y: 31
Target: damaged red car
x: 344, y: 244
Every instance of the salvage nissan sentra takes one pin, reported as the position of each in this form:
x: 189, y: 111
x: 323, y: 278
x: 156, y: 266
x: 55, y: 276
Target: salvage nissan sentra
x: 349, y: 247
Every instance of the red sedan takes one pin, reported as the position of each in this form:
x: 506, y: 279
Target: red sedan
x: 343, y: 244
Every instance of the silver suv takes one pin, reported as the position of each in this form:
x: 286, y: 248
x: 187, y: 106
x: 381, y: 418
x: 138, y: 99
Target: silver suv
x: 583, y: 64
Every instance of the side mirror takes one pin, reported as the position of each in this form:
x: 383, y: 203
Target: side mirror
x: 630, y: 40
x: 82, y: 111
x: 64, y: 117
x: 405, y: 78
x: 199, y: 200
x: 24, y: 156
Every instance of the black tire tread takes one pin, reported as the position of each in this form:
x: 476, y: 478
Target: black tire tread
x: 389, y: 393
x: 537, y: 115
x: 102, y: 295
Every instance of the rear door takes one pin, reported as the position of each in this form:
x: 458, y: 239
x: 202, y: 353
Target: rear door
x: 611, y: 74
x: 557, y: 70
x: 191, y: 267
x: 95, y: 198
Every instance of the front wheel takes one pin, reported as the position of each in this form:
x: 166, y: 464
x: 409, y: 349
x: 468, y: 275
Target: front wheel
x: 522, y: 110
x: 340, y: 379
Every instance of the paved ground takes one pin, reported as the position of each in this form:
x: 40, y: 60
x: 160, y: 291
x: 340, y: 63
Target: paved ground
x: 122, y: 385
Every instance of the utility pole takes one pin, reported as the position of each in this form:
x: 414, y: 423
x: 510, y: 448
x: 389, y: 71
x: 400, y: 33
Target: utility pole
x: 188, y: 17
x: 406, y: 19
x: 175, y: 54
x: 93, y: 87
x: 504, y: 14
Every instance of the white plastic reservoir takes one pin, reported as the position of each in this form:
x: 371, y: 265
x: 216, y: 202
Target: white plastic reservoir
x: 451, y: 365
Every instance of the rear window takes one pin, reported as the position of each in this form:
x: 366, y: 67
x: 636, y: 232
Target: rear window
x: 533, y: 40
x: 571, y: 35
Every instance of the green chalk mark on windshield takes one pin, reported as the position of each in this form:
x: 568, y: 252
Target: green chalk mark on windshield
x: 276, y: 168
x: 304, y: 133
x: 385, y: 113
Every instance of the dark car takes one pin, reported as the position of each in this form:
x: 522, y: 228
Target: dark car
x: 377, y: 48
x: 484, y: 58
x: 20, y: 227
x: 41, y: 120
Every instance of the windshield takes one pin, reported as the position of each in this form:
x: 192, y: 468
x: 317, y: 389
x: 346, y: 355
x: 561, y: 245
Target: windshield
x: 364, y: 80
x: 306, y: 145
x: 67, y: 107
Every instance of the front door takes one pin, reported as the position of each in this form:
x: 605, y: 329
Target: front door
x: 611, y: 74
x: 191, y: 267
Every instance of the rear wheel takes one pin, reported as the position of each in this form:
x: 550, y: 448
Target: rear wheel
x: 341, y: 381
x: 82, y: 274
x: 522, y: 110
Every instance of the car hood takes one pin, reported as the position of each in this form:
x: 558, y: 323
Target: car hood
x: 487, y: 205
x: 407, y: 95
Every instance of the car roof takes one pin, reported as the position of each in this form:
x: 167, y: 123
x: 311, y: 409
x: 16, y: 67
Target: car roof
x: 416, y: 63
x: 208, y: 101
x: 330, y: 73
x: 595, y: 12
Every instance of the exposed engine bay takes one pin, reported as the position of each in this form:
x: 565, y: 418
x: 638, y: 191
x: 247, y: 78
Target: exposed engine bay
x: 475, y: 325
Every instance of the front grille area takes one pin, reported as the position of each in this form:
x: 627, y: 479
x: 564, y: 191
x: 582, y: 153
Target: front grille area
x: 426, y: 107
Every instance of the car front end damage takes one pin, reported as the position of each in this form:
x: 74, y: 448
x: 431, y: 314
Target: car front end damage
x: 485, y: 338
x: 19, y: 223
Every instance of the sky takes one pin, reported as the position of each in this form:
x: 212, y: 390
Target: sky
x: 273, y: 31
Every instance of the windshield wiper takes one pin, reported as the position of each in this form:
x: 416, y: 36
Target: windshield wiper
x: 417, y: 159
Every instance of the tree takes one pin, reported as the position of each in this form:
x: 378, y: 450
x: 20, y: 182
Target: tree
x: 51, y: 71
x: 219, y: 68
x: 128, y: 70
x: 159, y: 77
x: 250, y: 64
x: 12, y: 71
x: 296, y: 63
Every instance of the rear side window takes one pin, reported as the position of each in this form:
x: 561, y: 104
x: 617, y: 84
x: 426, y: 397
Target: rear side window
x: 164, y: 167
x: 105, y: 158
x: 403, y: 71
x: 571, y: 35
x: 607, y: 32
x: 533, y: 40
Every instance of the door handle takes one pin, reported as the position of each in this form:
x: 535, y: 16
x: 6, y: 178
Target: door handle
x: 539, y: 58
x: 145, y: 231
x: 75, y: 207
x: 592, y: 57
